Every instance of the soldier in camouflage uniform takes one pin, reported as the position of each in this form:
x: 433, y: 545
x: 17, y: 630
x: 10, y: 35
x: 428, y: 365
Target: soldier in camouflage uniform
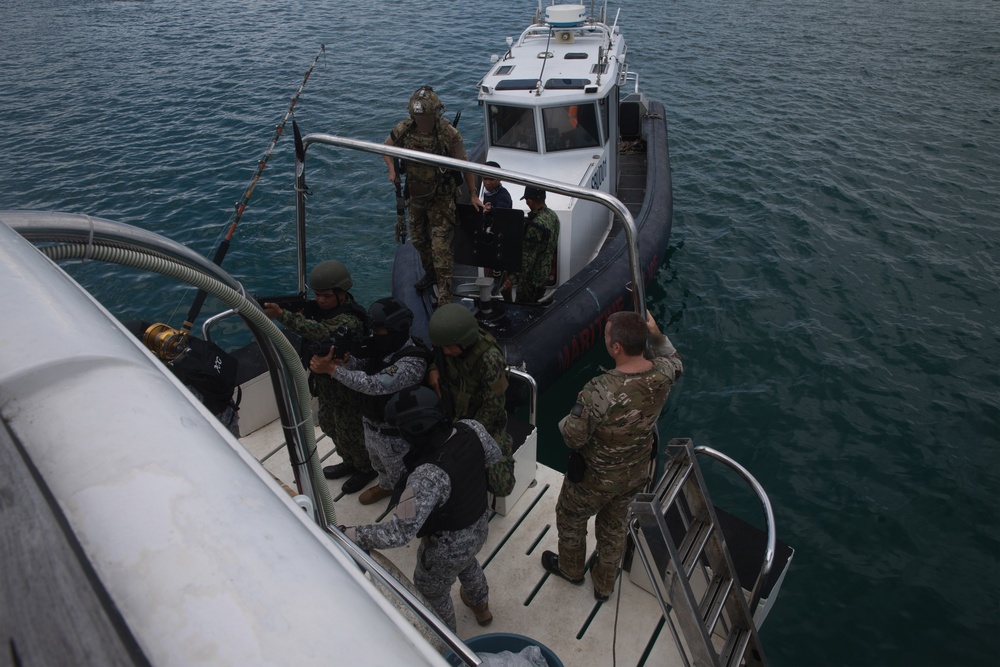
x: 431, y: 192
x: 396, y: 362
x: 541, y: 236
x: 339, y: 407
x: 611, y: 427
x: 470, y: 373
x: 442, y: 500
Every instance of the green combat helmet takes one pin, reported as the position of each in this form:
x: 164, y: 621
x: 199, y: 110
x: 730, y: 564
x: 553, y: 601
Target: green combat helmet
x: 330, y: 274
x: 425, y: 102
x: 453, y: 324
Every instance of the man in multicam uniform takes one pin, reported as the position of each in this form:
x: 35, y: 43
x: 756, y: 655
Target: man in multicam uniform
x: 611, y: 426
x: 470, y: 374
x: 339, y: 409
x: 396, y: 362
x: 442, y: 501
x: 541, y: 236
x: 430, y: 191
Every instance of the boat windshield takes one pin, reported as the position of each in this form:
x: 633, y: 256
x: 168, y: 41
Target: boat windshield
x: 569, y: 127
x: 513, y: 127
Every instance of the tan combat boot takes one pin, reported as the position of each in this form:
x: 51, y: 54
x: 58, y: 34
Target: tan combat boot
x: 482, y: 611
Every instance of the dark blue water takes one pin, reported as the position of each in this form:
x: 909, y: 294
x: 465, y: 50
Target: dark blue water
x: 833, y: 277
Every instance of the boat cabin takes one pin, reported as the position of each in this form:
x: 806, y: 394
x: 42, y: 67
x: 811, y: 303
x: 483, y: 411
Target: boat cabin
x: 551, y: 106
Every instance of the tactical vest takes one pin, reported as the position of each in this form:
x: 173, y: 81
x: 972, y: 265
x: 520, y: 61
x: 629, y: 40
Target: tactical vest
x: 461, y: 456
x: 424, y: 181
x: 373, y: 407
x: 461, y: 372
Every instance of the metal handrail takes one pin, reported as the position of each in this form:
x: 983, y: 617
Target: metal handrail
x: 768, y: 513
x: 532, y: 390
x: 608, y: 201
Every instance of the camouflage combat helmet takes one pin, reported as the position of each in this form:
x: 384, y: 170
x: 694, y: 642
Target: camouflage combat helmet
x: 453, y: 324
x: 391, y: 314
x: 330, y: 274
x: 416, y: 411
x: 425, y: 102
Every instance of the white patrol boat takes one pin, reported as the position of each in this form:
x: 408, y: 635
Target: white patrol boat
x: 562, y: 111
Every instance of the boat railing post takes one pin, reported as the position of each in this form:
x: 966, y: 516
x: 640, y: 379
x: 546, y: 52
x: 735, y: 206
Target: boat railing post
x: 525, y: 377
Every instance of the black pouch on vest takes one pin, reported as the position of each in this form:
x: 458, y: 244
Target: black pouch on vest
x: 575, y: 467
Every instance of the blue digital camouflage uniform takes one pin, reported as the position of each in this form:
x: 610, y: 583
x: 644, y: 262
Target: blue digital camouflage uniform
x: 431, y: 195
x: 611, y: 426
x: 385, y: 447
x: 339, y: 410
x: 475, y: 386
x: 541, y: 235
x: 443, y: 556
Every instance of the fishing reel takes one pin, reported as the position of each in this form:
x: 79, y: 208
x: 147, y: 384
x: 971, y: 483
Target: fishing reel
x: 165, y: 342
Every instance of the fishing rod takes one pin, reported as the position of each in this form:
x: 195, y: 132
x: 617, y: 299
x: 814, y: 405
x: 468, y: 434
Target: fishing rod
x: 241, y: 205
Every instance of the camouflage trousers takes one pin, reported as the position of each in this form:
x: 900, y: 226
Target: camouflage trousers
x: 501, y: 474
x: 576, y: 504
x: 432, y: 228
x: 386, y: 453
x: 443, y: 558
x: 340, y: 418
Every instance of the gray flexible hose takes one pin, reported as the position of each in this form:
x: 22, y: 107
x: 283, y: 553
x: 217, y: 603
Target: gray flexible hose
x: 148, y: 261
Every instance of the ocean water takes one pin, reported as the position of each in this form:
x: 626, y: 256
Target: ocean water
x: 832, y: 280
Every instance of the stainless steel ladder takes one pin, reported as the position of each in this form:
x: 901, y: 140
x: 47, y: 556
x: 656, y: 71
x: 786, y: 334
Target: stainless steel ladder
x: 690, y: 566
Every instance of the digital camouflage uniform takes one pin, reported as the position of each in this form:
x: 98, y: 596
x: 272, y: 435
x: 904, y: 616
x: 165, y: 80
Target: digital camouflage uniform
x: 612, y: 426
x: 385, y: 446
x: 339, y: 407
x: 541, y: 234
x: 431, y: 194
x: 442, y: 556
x: 475, y: 386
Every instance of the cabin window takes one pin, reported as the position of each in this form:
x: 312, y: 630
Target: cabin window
x: 571, y: 126
x: 513, y: 127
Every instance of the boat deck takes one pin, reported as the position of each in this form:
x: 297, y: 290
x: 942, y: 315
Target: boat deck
x: 524, y: 598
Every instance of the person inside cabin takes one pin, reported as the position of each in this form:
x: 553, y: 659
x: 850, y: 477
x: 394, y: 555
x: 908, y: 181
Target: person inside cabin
x: 442, y: 499
x: 395, y: 362
x: 610, y: 432
x: 334, y: 312
x: 430, y: 191
x: 469, y: 372
x: 495, y: 195
x: 541, y: 237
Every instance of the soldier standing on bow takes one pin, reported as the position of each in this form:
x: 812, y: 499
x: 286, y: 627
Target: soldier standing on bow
x: 431, y: 191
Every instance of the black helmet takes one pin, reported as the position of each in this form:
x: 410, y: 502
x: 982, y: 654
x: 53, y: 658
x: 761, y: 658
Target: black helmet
x: 425, y: 102
x: 416, y: 411
x: 453, y: 324
x: 330, y: 274
x: 391, y: 314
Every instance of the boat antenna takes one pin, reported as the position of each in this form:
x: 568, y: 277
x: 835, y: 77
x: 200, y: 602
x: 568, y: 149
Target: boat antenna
x: 241, y: 205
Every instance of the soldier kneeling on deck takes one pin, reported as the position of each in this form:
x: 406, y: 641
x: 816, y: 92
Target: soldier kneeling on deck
x: 441, y: 500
